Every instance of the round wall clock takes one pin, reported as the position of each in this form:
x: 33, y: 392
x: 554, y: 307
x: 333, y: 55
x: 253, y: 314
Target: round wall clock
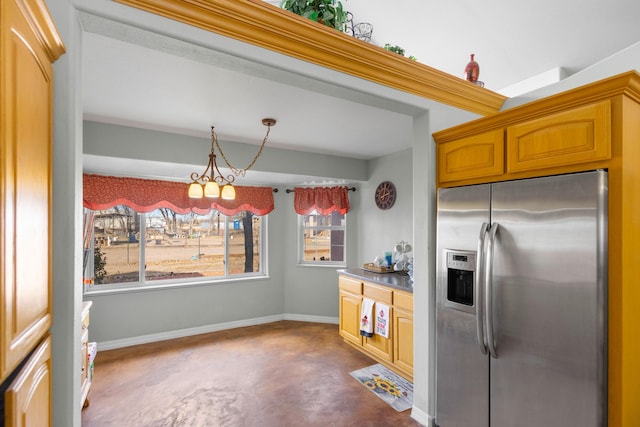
x: 385, y: 195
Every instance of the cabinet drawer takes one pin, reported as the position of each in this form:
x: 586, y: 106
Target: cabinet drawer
x: 349, y: 284
x: 378, y: 294
x: 571, y: 137
x: 471, y: 157
x: 403, y: 300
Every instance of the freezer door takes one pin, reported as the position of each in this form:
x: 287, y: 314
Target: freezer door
x: 549, y: 298
x: 462, y: 371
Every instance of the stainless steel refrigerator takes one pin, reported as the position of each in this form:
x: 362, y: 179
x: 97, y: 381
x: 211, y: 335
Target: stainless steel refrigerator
x: 521, y: 303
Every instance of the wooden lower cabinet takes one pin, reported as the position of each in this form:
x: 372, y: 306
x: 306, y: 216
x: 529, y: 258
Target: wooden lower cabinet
x: 28, y: 398
x: 395, y: 351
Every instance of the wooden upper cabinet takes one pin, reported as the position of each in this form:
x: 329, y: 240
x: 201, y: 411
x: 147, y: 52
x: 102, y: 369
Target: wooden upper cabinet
x: 471, y: 157
x: 29, y: 45
x: 578, y: 135
x: 507, y: 146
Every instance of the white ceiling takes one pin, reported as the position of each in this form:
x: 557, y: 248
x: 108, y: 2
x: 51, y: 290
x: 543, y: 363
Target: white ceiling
x: 137, y: 77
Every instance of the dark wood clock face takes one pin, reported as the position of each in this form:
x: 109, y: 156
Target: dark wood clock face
x: 385, y: 195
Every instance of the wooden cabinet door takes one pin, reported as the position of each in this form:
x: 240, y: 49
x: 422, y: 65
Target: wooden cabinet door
x: 380, y: 346
x: 350, y: 316
x: 26, y: 100
x: 475, y: 156
x: 28, y: 398
x: 403, y: 344
x: 578, y: 135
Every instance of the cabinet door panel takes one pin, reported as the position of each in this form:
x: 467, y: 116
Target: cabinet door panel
x: 350, y: 317
x: 380, y: 346
x: 28, y: 398
x: 25, y: 188
x: 575, y: 136
x: 472, y: 157
x: 403, y: 344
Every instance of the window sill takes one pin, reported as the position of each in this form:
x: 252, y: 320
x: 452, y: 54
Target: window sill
x: 323, y: 265
x: 169, y: 285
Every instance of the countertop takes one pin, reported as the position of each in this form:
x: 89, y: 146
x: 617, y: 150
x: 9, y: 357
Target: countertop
x: 393, y: 280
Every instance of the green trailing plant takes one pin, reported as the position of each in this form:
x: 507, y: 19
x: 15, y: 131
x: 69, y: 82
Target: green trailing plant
x: 394, y: 49
x: 398, y: 50
x: 328, y: 12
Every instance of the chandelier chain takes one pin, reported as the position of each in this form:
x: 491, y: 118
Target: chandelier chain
x: 235, y: 170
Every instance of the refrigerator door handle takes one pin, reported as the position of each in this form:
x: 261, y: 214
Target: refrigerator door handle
x: 488, y: 289
x: 479, y: 286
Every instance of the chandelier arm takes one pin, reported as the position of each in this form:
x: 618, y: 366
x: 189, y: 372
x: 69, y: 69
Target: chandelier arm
x: 220, y: 179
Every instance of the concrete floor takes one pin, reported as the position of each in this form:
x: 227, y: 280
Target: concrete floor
x: 279, y: 374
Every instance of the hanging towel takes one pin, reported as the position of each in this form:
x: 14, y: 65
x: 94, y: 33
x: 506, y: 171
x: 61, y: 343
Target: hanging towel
x: 366, y: 318
x: 382, y: 319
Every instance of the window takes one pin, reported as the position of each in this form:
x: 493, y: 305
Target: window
x: 322, y: 239
x: 162, y: 246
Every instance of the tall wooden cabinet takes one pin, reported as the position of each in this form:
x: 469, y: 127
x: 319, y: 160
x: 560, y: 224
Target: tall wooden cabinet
x: 593, y: 127
x: 29, y: 44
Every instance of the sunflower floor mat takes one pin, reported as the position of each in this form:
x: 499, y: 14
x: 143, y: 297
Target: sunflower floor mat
x: 387, y: 385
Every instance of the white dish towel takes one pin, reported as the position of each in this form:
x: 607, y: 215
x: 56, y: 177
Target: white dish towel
x: 382, y: 319
x: 366, y: 318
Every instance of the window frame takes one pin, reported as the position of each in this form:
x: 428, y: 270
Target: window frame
x: 146, y: 285
x: 301, y: 244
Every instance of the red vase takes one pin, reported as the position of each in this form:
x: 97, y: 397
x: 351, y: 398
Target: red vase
x: 472, y: 70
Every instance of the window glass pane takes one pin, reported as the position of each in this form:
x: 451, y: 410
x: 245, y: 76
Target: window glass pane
x: 310, y: 220
x: 174, y: 247
x: 116, y: 248
x: 323, y: 237
x: 183, y: 246
x: 337, y: 245
x: 244, y: 243
x: 337, y: 219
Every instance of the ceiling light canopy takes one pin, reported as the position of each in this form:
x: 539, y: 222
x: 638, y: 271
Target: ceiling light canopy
x: 208, y: 184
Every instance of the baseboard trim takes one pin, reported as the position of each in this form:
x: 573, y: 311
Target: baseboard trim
x: 309, y: 318
x: 422, y: 417
x: 180, y: 333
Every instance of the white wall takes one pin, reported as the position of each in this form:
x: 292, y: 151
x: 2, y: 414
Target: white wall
x: 379, y: 230
x: 312, y: 291
x: 623, y: 61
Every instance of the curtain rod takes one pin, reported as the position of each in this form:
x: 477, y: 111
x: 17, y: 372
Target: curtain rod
x: 289, y: 190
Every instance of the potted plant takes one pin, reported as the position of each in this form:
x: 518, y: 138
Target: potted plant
x: 328, y: 12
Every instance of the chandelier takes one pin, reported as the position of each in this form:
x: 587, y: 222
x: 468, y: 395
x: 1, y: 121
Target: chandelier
x: 208, y: 184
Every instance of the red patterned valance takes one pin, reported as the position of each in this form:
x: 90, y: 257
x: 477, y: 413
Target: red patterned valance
x: 145, y: 195
x: 323, y: 200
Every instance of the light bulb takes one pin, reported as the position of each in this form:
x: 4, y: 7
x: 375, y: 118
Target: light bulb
x: 211, y: 189
x: 195, y: 190
x: 228, y: 192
